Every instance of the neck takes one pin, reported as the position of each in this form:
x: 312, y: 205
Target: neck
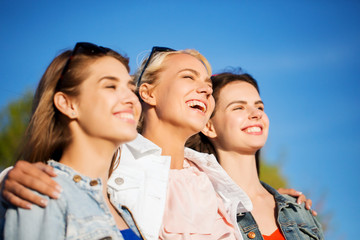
x: 169, y: 138
x: 242, y: 169
x: 89, y: 156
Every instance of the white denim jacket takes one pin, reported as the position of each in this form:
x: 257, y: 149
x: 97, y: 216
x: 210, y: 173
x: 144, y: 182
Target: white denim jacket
x: 140, y: 183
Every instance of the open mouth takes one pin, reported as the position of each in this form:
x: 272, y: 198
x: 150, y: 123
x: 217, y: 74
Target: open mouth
x: 198, y: 105
x: 125, y: 115
x: 253, y: 129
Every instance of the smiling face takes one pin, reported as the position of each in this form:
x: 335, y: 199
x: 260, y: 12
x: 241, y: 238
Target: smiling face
x: 183, y: 93
x: 107, y: 107
x: 240, y: 122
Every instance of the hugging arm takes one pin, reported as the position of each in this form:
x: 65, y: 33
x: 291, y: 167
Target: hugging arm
x: 15, y: 187
x: 300, y: 198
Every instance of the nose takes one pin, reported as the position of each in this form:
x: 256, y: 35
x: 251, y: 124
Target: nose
x: 255, y: 113
x: 129, y: 97
x: 205, y: 88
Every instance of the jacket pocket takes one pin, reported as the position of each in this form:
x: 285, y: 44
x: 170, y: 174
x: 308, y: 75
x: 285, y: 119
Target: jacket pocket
x: 311, y: 231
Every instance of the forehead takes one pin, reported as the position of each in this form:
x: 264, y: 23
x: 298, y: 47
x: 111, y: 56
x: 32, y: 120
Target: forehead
x: 238, y: 90
x: 180, y: 61
x: 108, y: 65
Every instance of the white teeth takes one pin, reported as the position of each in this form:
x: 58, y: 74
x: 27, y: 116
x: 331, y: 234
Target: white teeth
x: 194, y: 103
x: 126, y: 116
x: 253, y: 129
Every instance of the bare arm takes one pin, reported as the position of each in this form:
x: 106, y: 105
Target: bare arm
x: 25, y: 176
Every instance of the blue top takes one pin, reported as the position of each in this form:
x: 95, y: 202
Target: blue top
x: 129, y: 234
x: 80, y: 213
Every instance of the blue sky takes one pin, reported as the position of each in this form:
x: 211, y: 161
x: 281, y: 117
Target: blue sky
x: 304, y: 54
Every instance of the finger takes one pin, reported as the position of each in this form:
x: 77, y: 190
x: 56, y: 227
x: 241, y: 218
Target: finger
x: 46, y: 168
x: 308, y: 204
x: 31, y: 177
x: 12, y: 199
x: 17, y: 180
x: 301, y: 199
x: 20, y: 196
x: 289, y: 191
x: 314, y: 213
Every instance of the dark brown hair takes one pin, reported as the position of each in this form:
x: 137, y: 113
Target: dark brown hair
x: 199, y: 141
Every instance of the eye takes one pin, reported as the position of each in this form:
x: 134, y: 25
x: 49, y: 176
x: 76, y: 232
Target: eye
x: 132, y: 87
x: 261, y: 108
x: 111, y: 86
x: 189, y: 76
x: 238, y: 108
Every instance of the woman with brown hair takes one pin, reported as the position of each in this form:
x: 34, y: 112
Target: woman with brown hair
x: 84, y: 108
x: 236, y: 132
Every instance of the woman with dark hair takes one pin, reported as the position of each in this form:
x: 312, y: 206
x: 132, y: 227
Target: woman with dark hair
x: 79, y: 138
x: 236, y: 131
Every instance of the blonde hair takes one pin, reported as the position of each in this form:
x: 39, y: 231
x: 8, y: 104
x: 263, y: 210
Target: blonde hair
x: 48, y: 133
x: 155, y: 66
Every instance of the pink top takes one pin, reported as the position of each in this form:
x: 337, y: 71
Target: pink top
x: 193, y: 209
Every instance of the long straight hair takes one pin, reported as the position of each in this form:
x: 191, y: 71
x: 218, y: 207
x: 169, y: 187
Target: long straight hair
x: 48, y: 133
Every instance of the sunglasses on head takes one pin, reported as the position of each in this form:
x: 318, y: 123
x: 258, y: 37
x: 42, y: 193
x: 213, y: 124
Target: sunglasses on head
x: 154, y: 50
x: 85, y: 48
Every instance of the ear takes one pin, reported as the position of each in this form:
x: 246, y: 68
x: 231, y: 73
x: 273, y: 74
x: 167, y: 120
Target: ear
x: 65, y: 105
x: 146, y: 93
x: 209, y: 130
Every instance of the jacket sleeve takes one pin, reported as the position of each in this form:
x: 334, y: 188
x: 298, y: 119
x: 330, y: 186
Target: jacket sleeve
x: 37, y: 223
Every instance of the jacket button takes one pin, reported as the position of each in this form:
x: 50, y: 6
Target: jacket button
x: 119, y: 180
x: 93, y: 183
x: 251, y: 235
x: 76, y: 178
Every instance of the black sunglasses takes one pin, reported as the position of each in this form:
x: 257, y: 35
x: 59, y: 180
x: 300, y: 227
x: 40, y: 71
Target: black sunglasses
x: 83, y: 48
x: 154, y: 50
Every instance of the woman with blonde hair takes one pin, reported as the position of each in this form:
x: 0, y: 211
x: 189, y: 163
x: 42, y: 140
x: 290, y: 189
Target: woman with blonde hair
x: 84, y: 108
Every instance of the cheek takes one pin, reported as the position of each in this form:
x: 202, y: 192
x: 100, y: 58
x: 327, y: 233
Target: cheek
x: 137, y: 111
x: 235, y: 120
x: 266, y: 120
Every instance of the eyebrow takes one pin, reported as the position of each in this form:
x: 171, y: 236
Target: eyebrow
x: 208, y: 80
x: 244, y: 102
x: 191, y: 70
x: 112, y: 78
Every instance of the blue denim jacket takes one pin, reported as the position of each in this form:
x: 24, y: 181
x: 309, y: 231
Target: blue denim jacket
x: 294, y: 220
x: 80, y: 212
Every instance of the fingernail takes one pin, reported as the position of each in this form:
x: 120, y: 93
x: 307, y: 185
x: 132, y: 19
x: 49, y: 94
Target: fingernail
x: 298, y: 192
x: 28, y: 205
x: 55, y: 194
x: 43, y: 202
x: 59, y: 188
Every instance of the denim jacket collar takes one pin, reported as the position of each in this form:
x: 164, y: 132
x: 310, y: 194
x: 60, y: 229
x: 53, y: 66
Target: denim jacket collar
x: 281, y: 200
x: 82, y: 181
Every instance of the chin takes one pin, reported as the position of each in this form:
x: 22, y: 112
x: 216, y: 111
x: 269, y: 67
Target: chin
x: 127, y: 136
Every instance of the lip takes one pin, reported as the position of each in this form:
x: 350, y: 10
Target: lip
x: 202, y: 102
x: 253, y: 126
x: 126, y: 115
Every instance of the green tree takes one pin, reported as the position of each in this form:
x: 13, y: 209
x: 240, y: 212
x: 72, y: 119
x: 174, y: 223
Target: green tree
x: 14, y: 119
x: 271, y: 174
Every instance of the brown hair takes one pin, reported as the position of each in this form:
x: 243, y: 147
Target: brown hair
x: 47, y: 133
x: 199, y: 141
